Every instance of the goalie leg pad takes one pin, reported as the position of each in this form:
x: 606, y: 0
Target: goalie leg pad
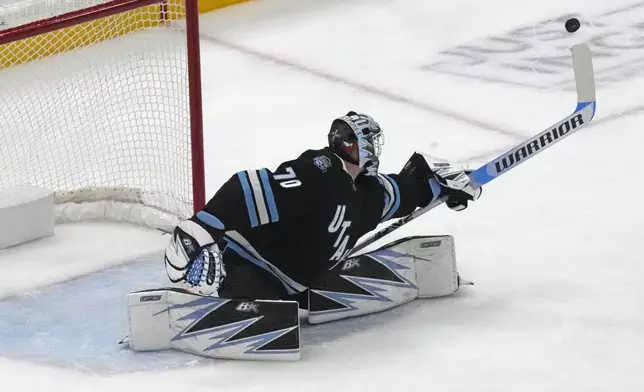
x: 364, y: 284
x: 399, y: 272
x: 213, y: 327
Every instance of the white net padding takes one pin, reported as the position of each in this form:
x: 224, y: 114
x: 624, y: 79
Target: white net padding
x: 26, y: 11
x: 106, y: 125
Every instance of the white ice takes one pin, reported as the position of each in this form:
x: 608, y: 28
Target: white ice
x: 554, y: 246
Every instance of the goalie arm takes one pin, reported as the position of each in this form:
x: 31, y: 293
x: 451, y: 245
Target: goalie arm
x: 402, y: 195
x: 583, y: 114
x: 418, y: 184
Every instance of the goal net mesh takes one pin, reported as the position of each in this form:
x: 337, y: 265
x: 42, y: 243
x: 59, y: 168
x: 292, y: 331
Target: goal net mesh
x: 98, y: 112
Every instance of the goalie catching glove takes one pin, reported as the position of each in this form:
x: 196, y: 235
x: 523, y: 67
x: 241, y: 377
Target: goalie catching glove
x: 193, y: 258
x: 444, y: 181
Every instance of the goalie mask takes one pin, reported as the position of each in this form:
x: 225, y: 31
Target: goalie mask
x: 357, y: 138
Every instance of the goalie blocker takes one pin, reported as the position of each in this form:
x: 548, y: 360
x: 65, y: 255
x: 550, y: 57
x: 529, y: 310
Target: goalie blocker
x: 397, y: 273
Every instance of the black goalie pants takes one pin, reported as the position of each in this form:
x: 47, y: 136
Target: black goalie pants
x: 245, y: 280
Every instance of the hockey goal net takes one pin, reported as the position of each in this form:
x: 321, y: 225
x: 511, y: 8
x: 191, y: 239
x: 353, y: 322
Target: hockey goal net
x: 101, y: 103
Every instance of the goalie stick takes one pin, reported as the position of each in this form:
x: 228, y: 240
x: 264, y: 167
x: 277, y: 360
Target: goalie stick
x: 583, y: 114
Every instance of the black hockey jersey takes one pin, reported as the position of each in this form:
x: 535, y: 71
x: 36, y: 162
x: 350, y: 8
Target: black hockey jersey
x: 301, y: 219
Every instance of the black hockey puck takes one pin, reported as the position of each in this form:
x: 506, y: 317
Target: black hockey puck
x: 572, y: 25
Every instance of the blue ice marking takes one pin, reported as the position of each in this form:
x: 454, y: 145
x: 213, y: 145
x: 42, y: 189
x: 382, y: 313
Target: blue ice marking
x: 78, y: 323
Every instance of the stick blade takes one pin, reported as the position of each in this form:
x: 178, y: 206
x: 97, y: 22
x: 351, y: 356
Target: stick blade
x: 584, y: 73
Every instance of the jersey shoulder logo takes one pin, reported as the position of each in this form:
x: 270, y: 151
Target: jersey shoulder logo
x: 322, y: 162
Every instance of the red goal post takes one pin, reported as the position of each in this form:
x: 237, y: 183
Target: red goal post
x: 102, y: 105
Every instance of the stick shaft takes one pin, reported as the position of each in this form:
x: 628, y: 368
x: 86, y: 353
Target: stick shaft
x: 583, y: 114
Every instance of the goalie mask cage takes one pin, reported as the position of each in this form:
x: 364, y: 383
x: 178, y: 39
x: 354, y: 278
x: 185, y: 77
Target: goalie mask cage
x: 101, y: 103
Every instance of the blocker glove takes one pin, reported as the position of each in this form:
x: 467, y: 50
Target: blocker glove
x: 444, y: 180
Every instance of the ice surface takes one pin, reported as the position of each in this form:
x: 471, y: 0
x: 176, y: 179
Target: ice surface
x: 554, y: 247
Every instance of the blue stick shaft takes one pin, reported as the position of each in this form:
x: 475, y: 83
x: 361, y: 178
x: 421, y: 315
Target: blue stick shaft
x: 583, y: 114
